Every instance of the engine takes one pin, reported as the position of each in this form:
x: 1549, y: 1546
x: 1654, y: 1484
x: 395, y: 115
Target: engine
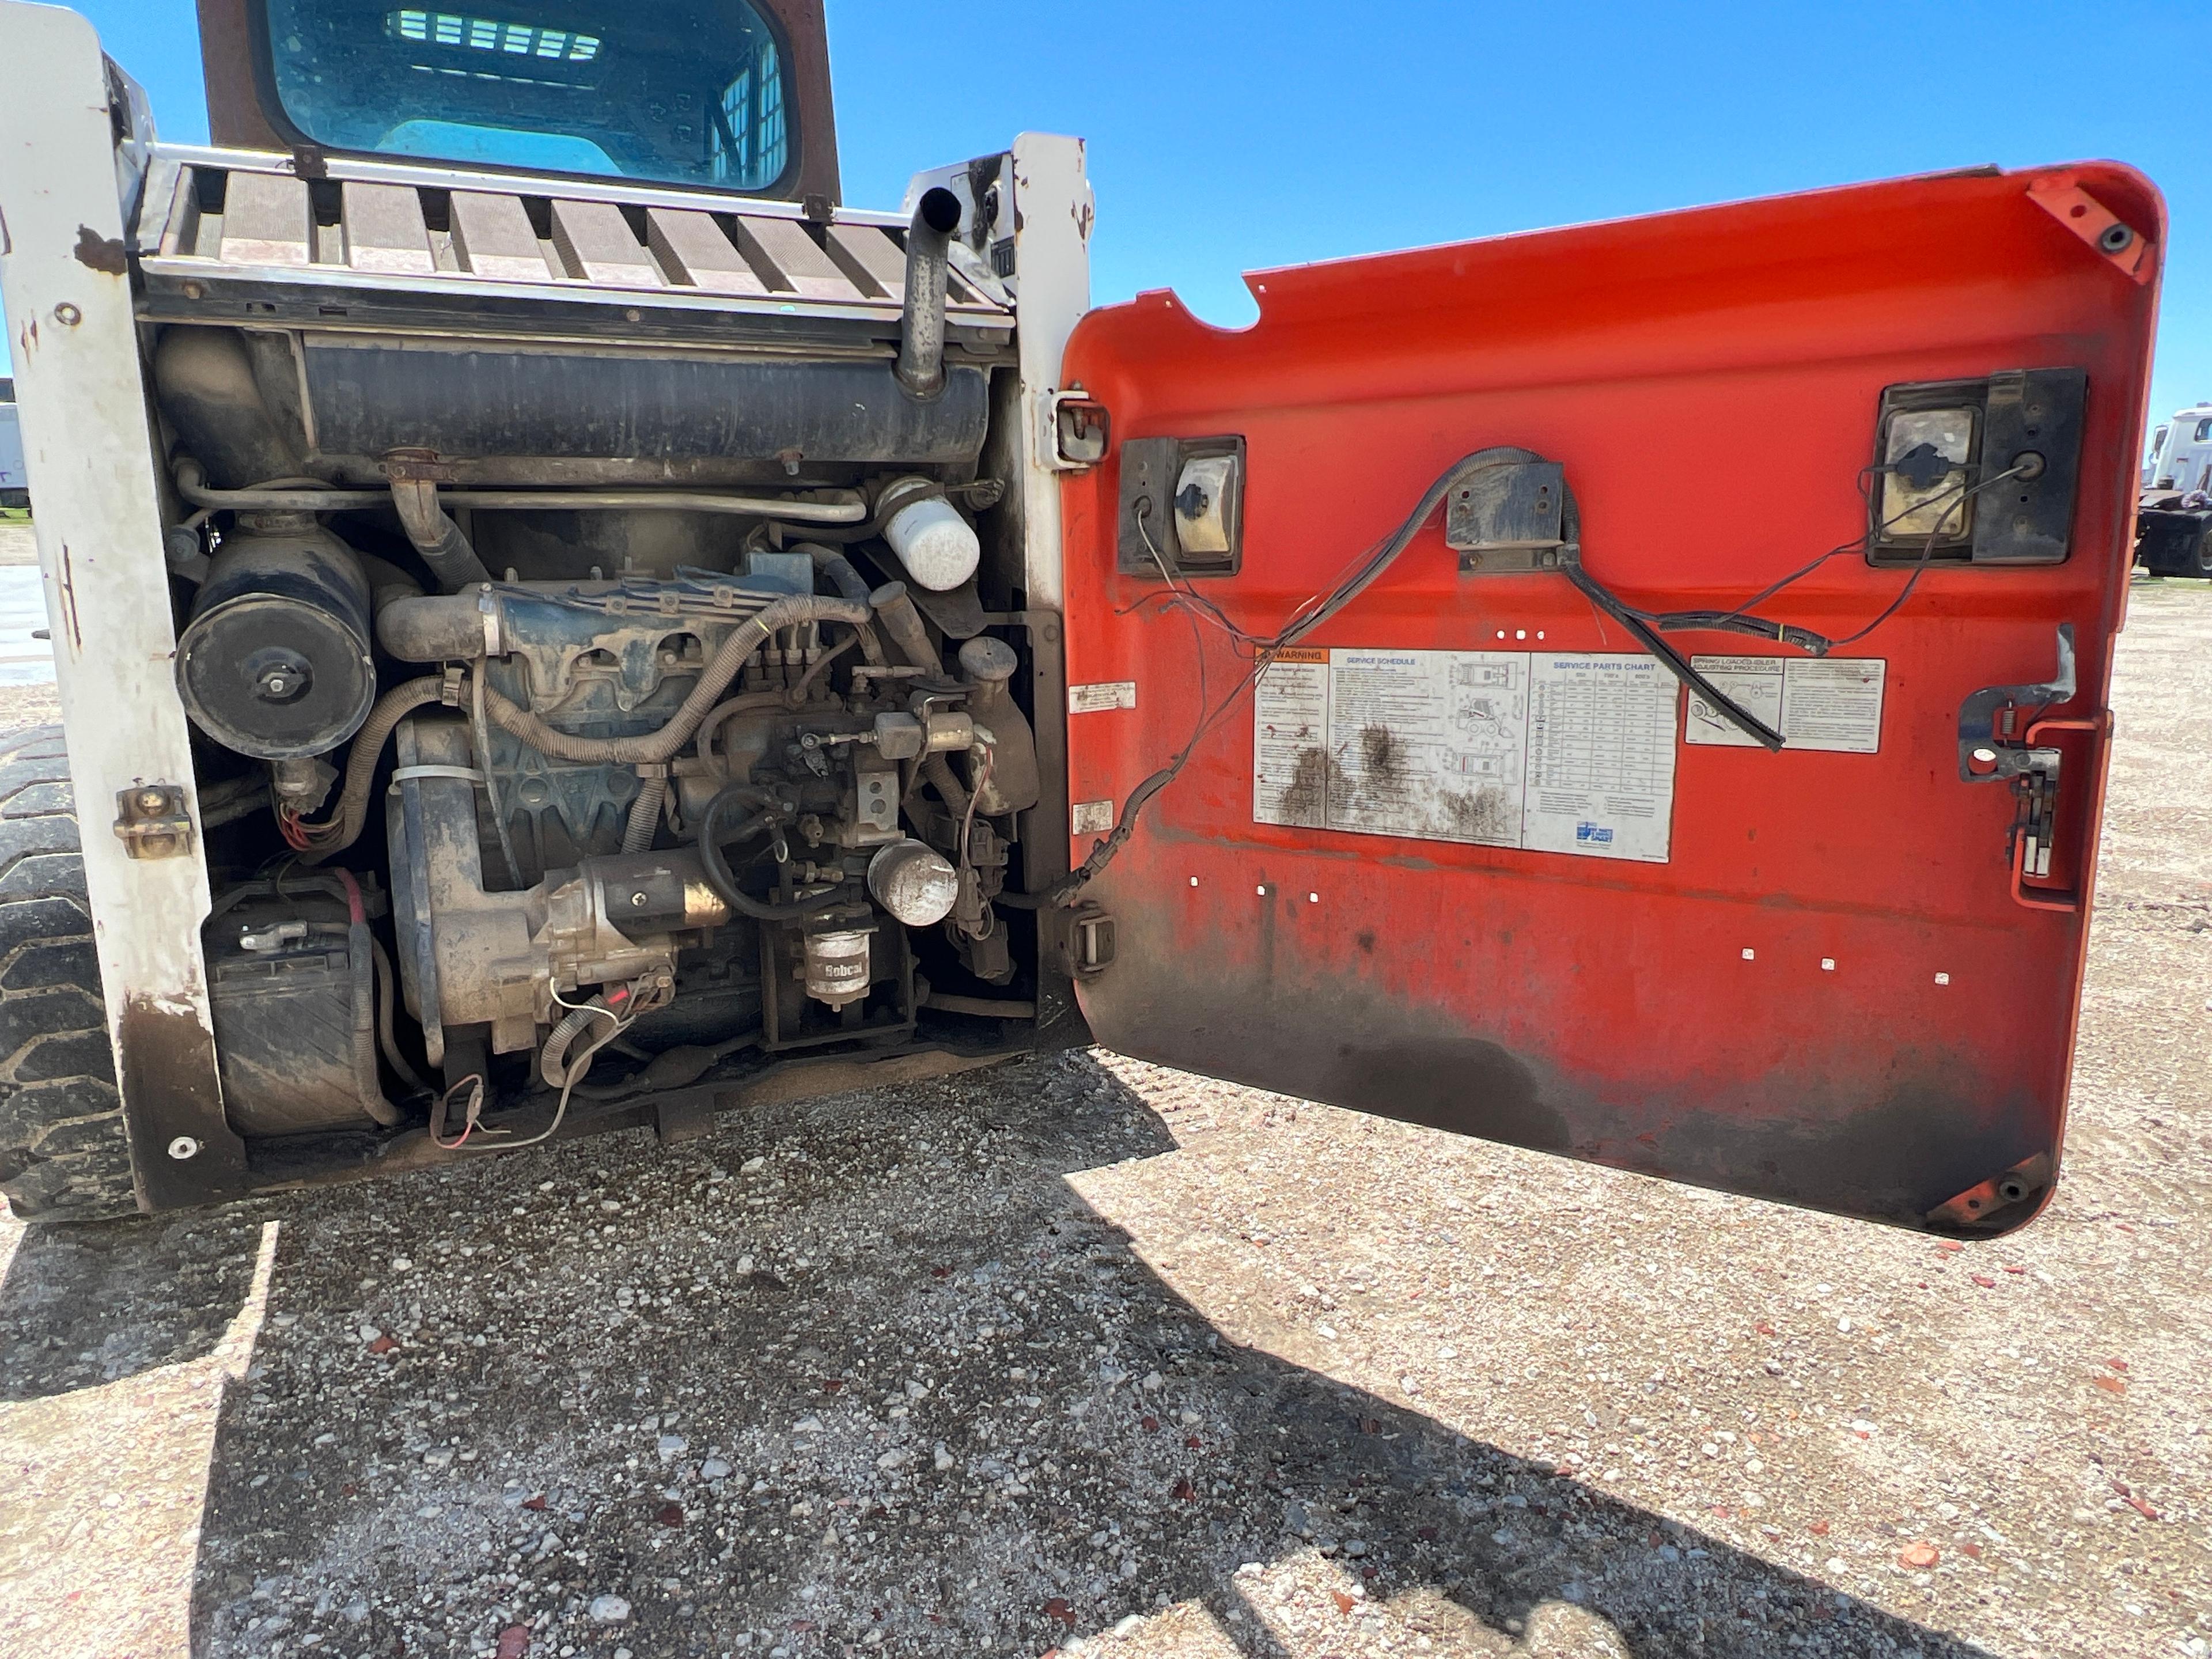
x: 574, y: 724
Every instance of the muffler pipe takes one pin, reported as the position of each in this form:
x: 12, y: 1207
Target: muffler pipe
x: 921, y: 329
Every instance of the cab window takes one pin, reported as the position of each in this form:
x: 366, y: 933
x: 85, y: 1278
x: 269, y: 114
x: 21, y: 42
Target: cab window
x: 688, y: 92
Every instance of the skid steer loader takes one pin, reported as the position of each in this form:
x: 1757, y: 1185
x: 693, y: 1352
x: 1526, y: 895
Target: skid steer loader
x: 564, y: 625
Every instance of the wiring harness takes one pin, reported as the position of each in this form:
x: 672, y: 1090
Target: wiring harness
x: 1646, y: 626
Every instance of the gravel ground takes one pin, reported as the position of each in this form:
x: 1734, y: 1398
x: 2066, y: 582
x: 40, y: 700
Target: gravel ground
x: 1086, y: 1354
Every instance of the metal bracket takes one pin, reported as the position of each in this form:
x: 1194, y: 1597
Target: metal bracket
x: 1507, y: 520
x: 415, y: 466
x: 1990, y: 745
x: 151, y: 821
x: 1979, y: 1206
x: 1083, y: 940
x: 1995, y: 744
x: 2096, y: 224
x: 1078, y: 431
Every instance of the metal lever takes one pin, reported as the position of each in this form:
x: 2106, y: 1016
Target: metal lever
x: 1990, y: 747
x: 1994, y: 744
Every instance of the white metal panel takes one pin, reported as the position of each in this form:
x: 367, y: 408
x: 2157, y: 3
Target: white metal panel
x: 81, y: 395
x: 1052, y: 273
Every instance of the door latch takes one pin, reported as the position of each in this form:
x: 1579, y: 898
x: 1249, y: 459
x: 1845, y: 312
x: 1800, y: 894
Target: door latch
x: 1996, y: 729
x: 151, y: 821
x: 1079, y: 430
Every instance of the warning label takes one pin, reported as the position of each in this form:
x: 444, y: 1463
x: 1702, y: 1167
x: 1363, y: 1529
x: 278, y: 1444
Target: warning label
x: 1831, y: 704
x: 1555, y: 753
x: 1094, y: 699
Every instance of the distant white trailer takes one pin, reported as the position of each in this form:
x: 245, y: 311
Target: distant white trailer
x: 2181, y: 453
x: 14, y: 487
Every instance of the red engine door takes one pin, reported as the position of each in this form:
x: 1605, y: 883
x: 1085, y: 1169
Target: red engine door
x: 1466, y: 853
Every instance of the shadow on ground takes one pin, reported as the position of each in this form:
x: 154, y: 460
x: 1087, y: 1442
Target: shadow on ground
x: 894, y: 1386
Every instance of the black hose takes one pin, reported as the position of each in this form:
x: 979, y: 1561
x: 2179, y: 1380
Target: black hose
x: 848, y: 582
x: 718, y: 875
x: 938, y: 772
x: 1675, y: 664
x: 440, y: 542
x: 368, y: 1087
x: 385, y: 1035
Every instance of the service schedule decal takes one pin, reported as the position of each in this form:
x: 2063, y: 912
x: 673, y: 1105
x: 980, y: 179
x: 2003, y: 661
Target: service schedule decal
x: 1557, y: 753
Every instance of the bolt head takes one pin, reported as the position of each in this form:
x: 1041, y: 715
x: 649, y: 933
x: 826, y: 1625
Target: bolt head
x: 153, y: 800
x: 184, y: 1147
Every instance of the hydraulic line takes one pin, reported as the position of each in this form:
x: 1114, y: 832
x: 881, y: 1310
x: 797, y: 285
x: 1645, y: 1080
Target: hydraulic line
x: 344, y: 828
x: 938, y: 772
x: 361, y: 944
x: 385, y: 1035
x: 719, y: 876
x: 191, y: 484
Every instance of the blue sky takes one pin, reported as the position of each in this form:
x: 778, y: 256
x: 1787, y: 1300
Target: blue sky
x: 1226, y: 136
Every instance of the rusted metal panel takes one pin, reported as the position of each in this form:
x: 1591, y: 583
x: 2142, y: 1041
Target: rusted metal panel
x: 1824, y: 990
x: 384, y: 230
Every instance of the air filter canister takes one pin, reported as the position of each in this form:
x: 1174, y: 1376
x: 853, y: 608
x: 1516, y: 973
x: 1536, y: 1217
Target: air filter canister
x: 275, y: 661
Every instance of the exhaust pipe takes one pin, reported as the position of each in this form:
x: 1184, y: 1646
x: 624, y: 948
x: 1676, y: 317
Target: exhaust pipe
x: 921, y: 329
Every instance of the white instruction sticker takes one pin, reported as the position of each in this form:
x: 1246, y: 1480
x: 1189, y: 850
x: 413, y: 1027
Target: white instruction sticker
x: 1096, y: 699
x: 1557, y: 753
x: 1290, y: 741
x: 1831, y: 704
x: 1601, y: 757
x: 1090, y: 818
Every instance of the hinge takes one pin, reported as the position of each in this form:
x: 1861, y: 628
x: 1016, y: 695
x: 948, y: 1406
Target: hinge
x: 151, y: 821
x: 1078, y: 430
x: 1083, y: 939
